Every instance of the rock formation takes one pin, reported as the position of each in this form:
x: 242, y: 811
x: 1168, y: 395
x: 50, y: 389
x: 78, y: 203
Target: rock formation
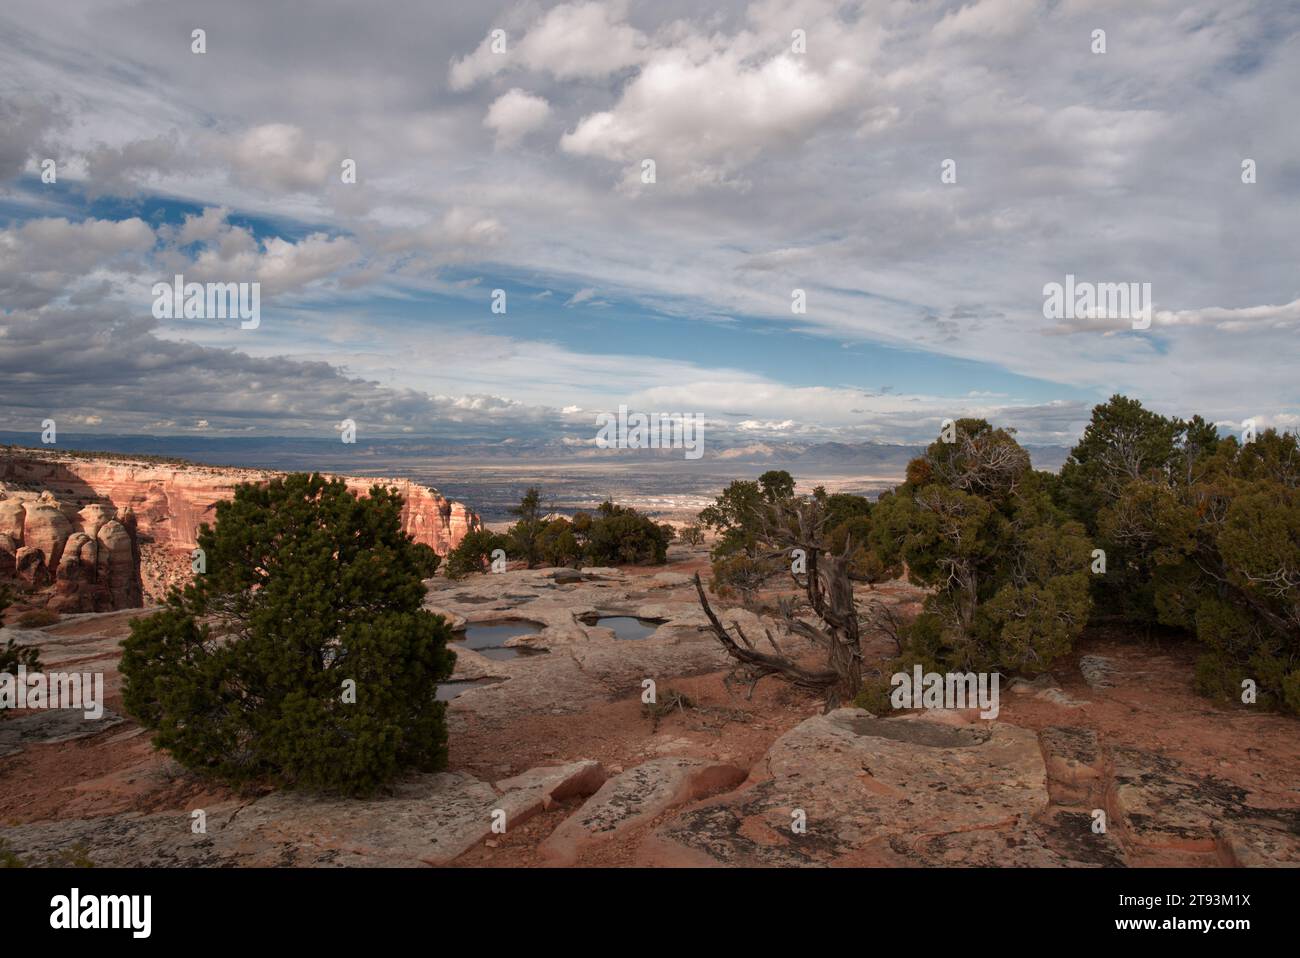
x: 169, y: 501
x: 91, y: 557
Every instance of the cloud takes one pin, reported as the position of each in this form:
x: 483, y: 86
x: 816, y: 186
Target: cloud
x: 128, y: 167
x: 460, y: 232
x: 1236, y: 319
x: 95, y: 362
x: 515, y: 114
x: 204, y: 227
x: 703, y: 119
x: 985, y: 18
x: 571, y: 40
x: 44, y: 259
x: 775, y: 170
x: 280, y: 157
x: 272, y: 157
x: 25, y: 121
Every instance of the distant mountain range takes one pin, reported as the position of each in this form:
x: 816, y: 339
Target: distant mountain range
x: 380, y: 456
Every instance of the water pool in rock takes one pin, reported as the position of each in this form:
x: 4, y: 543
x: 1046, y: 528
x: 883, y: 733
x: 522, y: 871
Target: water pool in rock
x: 627, y: 627
x: 489, y: 638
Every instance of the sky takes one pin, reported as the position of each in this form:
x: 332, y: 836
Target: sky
x: 919, y: 170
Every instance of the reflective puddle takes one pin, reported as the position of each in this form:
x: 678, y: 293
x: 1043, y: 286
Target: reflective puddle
x: 627, y: 626
x: 489, y: 638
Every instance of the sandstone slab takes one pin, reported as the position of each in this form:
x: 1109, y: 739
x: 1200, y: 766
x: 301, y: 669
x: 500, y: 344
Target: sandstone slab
x: 848, y: 788
x: 1074, y: 762
x: 635, y: 796
x: 48, y: 726
x: 538, y: 789
x: 425, y: 820
x: 1098, y: 671
x: 1163, y: 807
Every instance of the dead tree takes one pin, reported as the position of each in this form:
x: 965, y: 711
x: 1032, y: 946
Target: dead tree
x: 833, y: 625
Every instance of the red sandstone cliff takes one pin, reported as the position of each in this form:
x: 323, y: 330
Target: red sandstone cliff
x: 168, y: 503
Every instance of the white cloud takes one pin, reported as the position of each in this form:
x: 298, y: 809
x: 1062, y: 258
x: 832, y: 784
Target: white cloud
x: 703, y: 120
x: 43, y: 259
x: 206, y: 226
x: 515, y: 114
x: 280, y: 157
x: 582, y: 40
x: 818, y: 171
x: 572, y: 40
x: 986, y: 18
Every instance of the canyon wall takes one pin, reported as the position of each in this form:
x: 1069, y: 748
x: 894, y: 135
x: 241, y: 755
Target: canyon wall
x: 163, y: 504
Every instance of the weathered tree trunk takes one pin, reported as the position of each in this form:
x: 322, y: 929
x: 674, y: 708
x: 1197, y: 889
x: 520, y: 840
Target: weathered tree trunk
x: 760, y: 664
x: 829, y: 592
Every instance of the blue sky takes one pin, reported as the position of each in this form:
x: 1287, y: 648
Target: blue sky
x: 520, y: 169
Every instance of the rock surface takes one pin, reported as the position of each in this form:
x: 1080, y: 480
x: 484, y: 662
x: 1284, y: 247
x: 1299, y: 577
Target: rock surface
x: 50, y: 727
x: 869, y: 791
x: 636, y: 796
x: 426, y: 820
x: 1177, y: 780
x: 1161, y: 807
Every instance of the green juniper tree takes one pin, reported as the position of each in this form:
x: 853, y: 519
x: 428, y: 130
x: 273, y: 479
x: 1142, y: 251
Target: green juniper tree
x: 558, y: 544
x: 620, y: 535
x: 474, y: 553
x: 1009, y: 574
x: 302, y: 656
x: 692, y: 535
x: 1224, y: 564
x: 1126, y: 445
x: 523, y: 537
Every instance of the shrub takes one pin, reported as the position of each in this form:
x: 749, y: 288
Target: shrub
x: 426, y: 560
x: 474, y: 553
x: 558, y: 545
x: 692, y: 535
x: 38, y: 618
x: 8, y: 858
x: 14, y: 655
x: 619, y: 535
x: 75, y: 856
x: 1009, y: 574
x: 523, y: 538
x: 745, y: 555
x: 1125, y: 444
x: 245, y: 674
x: 1201, y: 533
x: 735, y: 514
x: 1226, y: 565
x: 848, y: 525
x: 743, y: 576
